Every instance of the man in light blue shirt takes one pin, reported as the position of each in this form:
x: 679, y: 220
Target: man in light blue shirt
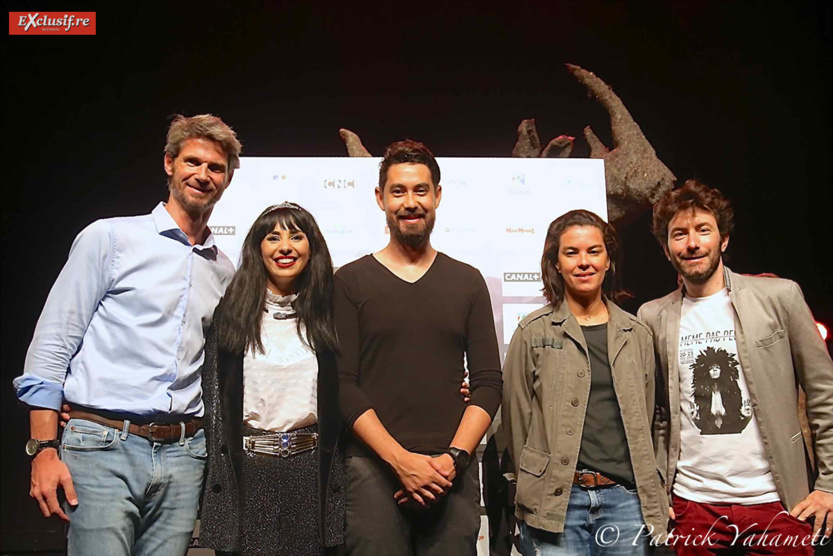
x: 121, y: 340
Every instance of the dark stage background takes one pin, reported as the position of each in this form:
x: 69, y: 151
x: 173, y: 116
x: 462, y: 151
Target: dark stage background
x: 736, y: 94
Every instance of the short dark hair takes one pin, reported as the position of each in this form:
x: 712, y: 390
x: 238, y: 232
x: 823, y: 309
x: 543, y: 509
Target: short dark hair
x: 408, y: 152
x: 693, y: 194
x: 554, y: 282
x: 241, y: 310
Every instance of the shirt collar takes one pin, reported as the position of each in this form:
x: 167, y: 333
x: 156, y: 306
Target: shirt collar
x: 166, y: 226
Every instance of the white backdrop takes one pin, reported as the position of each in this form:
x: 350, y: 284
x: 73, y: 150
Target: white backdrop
x: 494, y: 213
x: 494, y: 216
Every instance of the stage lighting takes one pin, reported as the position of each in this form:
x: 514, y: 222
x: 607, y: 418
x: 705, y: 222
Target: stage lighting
x: 822, y: 331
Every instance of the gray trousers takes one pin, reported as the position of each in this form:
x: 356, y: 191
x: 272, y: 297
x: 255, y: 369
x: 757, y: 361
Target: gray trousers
x: 376, y: 525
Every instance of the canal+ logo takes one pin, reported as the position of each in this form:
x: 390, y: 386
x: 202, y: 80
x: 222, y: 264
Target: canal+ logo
x: 51, y: 23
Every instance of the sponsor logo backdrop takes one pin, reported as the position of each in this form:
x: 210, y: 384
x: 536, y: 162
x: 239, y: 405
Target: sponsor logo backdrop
x: 494, y: 213
x: 494, y: 216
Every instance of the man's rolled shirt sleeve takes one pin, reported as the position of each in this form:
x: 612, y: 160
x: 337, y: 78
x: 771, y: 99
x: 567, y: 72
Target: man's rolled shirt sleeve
x: 482, y: 353
x: 353, y: 402
x: 74, y: 297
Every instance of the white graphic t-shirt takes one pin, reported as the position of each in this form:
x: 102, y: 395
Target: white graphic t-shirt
x: 722, y: 457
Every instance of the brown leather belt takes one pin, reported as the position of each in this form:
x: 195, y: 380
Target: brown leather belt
x: 155, y: 432
x: 591, y: 479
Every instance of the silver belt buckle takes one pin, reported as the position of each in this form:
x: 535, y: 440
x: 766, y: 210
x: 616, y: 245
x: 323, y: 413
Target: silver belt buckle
x: 283, y: 444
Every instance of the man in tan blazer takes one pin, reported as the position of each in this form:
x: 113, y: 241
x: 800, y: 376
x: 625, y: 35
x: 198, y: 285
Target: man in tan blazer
x: 733, y: 350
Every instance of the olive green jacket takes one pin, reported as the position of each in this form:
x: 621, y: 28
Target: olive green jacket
x: 546, y: 380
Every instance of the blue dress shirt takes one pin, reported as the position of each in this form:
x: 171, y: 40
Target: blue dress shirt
x: 122, y: 329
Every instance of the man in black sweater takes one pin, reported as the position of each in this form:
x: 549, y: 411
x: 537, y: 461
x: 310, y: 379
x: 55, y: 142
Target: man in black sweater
x: 407, y: 316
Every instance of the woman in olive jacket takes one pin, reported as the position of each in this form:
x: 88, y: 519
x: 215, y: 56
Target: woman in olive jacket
x: 277, y: 309
x: 578, y: 403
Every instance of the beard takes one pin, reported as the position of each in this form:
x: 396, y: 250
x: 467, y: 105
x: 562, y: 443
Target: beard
x: 698, y: 277
x: 414, y: 239
x: 190, y: 204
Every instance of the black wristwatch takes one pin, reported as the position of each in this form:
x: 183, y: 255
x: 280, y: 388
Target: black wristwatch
x: 34, y: 446
x: 461, y: 458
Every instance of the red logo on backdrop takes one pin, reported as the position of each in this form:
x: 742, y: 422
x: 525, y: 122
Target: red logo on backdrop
x: 52, y: 23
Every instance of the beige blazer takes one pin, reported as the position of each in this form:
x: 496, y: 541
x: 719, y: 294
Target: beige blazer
x: 779, y: 347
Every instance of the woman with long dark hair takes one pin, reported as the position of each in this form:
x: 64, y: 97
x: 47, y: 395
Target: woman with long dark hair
x: 578, y: 403
x: 274, y: 481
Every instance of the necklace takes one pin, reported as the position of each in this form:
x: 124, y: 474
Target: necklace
x: 592, y: 316
x: 280, y: 305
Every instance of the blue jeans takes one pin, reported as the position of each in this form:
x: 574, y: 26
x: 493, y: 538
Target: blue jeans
x: 135, y: 497
x: 600, y: 521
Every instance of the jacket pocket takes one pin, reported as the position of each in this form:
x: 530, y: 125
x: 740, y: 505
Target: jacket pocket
x: 534, y: 461
x: 771, y: 339
x: 531, y: 479
x: 545, y: 342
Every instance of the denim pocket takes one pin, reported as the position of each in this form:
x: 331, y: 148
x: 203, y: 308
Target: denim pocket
x: 195, y: 446
x: 626, y: 489
x: 86, y: 436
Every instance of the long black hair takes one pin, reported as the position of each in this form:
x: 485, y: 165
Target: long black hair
x: 240, y: 312
x: 553, y: 281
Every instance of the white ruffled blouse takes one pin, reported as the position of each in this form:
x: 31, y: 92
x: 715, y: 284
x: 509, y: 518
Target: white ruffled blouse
x: 280, y: 386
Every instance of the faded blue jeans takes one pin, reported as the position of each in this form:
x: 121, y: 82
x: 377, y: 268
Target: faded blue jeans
x: 135, y: 497
x: 600, y: 521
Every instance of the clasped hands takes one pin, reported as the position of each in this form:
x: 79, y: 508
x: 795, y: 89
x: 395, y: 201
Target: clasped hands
x: 425, y: 479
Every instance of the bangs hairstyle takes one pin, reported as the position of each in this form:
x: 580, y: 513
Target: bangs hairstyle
x: 408, y: 152
x: 240, y: 313
x: 692, y: 195
x: 553, y: 281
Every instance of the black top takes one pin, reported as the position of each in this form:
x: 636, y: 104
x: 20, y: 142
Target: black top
x: 604, y: 446
x: 401, y: 349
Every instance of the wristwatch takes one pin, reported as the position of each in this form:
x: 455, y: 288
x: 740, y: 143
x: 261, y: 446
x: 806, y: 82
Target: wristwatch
x: 33, y: 445
x: 461, y: 458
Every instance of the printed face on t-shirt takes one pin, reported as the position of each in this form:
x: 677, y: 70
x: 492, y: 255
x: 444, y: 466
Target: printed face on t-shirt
x: 718, y: 406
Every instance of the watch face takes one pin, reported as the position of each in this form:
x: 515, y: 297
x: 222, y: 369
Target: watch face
x: 461, y: 457
x: 32, y: 446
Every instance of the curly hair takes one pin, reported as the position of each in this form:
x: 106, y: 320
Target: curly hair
x: 726, y: 383
x: 554, y: 282
x: 693, y: 194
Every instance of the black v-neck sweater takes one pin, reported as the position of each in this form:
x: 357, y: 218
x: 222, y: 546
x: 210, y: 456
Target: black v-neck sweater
x: 402, y: 348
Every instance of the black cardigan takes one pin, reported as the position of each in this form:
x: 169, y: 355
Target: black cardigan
x: 222, y: 385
